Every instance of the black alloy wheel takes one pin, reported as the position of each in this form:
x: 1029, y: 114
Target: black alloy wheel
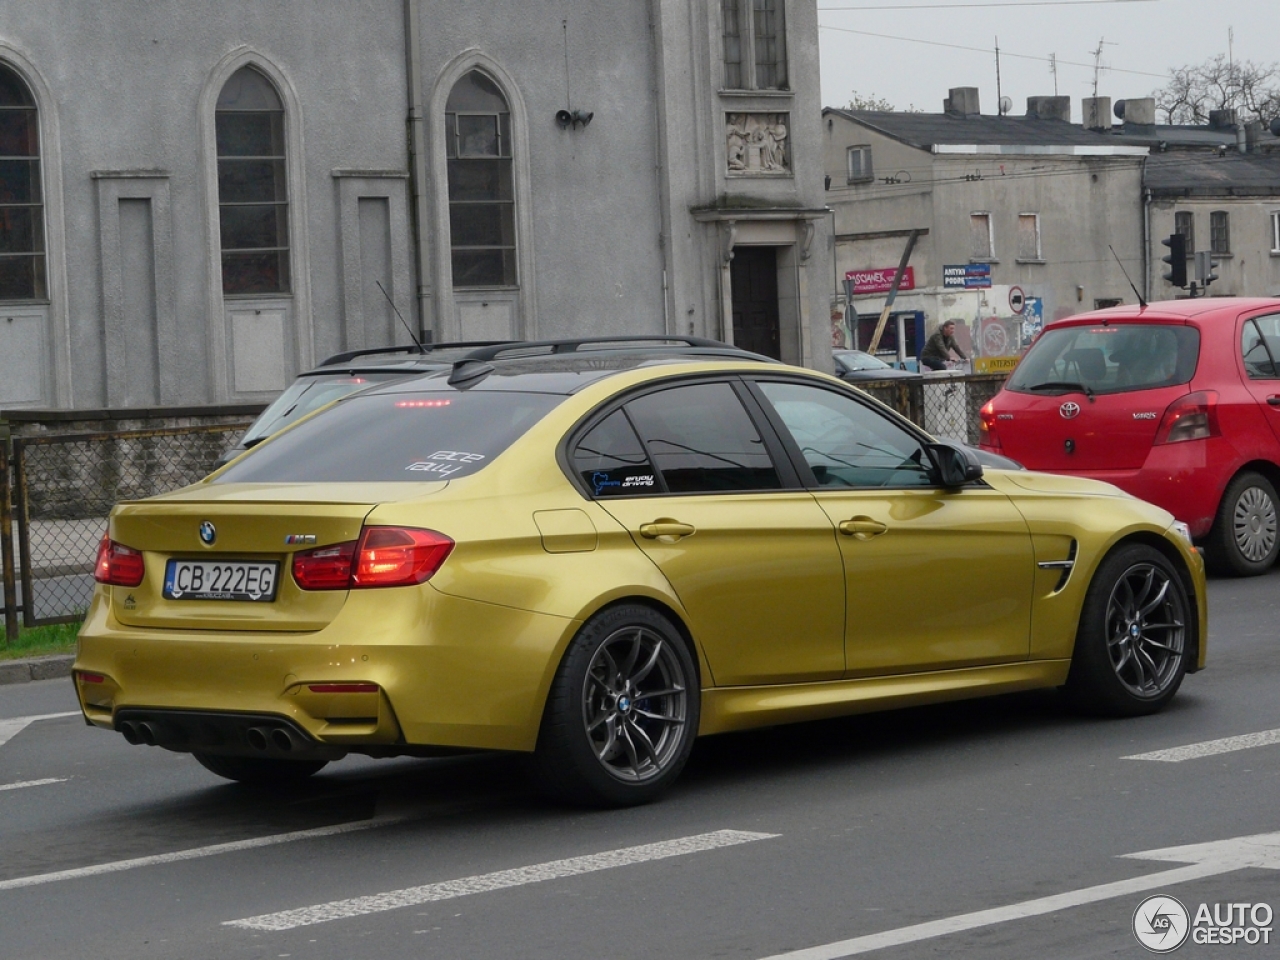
x: 622, y: 713
x: 1135, y: 636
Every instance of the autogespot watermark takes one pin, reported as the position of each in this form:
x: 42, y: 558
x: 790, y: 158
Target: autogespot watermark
x: 1162, y: 924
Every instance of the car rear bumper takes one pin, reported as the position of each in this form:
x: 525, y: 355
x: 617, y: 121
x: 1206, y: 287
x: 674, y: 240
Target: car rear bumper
x: 400, y: 668
x: 1187, y: 479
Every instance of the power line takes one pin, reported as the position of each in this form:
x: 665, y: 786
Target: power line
x: 956, y: 46
x: 966, y: 6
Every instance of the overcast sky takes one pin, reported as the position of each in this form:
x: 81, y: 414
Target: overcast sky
x: 908, y: 53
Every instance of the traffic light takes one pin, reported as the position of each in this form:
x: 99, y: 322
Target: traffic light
x: 1205, y: 265
x: 1177, y: 259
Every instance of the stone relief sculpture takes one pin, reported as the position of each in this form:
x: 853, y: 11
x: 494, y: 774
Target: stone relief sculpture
x: 756, y: 143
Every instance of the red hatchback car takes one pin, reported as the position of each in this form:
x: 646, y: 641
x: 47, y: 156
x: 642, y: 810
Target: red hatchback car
x: 1177, y: 403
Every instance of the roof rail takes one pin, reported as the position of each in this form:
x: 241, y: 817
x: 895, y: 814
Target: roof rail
x: 538, y: 348
x: 412, y: 348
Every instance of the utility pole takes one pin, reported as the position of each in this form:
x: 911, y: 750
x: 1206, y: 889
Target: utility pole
x: 999, y: 108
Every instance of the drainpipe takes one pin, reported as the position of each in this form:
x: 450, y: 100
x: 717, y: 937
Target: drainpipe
x: 660, y: 174
x: 419, y: 212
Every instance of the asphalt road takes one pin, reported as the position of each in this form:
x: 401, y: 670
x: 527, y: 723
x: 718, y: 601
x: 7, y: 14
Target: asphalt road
x: 991, y: 829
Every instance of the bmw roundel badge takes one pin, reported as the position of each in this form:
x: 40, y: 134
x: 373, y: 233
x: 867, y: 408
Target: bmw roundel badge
x: 208, y: 533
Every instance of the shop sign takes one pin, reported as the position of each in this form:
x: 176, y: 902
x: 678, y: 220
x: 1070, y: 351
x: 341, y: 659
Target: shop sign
x: 879, y: 280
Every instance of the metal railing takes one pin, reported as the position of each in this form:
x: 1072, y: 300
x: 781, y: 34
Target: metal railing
x: 56, y: 493
x: 945, y: 405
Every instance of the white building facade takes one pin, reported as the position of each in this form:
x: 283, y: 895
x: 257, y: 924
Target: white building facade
x: 198, y: 201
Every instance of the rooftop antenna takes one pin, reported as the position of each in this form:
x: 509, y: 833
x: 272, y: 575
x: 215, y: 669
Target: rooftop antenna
x: 1097, y: 63
x: 1231, y: 43
x: 999, y: 98
x: 1053, y: 68
x: 416, y: 342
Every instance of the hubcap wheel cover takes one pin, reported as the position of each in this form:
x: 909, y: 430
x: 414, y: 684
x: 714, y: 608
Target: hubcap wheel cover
x: 1255, y: 524
x: 635, y: 703
x: 1146, y: 630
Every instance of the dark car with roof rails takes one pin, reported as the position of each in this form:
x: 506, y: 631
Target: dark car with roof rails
x: 354, y: 370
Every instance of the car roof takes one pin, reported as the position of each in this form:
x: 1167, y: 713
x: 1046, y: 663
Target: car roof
x: 1170, y: 310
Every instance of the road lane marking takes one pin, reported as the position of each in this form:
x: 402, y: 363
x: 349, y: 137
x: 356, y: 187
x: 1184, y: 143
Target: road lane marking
x: 15, y: 725
x: 32, y: 783
x: 501, y: 880
x: 1206, y: 860
x: 1210, y: 748
x: 196, y: 853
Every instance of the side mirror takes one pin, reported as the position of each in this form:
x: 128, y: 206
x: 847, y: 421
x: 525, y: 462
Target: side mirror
x: 953, y: 465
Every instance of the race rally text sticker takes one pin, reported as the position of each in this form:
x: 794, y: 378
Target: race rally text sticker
x: 442, y: 463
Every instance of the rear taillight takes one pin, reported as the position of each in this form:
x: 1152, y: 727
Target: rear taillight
x: 325, y: 568
x: 382, y: 557
x: 118, y: 565
x: 987, y: 427
x: 1193, y: 417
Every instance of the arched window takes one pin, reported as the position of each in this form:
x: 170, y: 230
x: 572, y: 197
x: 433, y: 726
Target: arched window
x: 482, y: 215
x: 22, y: 249
x: 253, y: 196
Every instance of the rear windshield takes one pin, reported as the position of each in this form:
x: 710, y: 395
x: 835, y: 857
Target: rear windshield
x: 411, y: 437
x: 307, y: 394
x: 1108, y: 359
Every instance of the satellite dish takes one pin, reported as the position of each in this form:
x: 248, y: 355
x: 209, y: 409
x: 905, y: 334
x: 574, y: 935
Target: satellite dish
x: 1005, y: 105
x: 1118, y: 109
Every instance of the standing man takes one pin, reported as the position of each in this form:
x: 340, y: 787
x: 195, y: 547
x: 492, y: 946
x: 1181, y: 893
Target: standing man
x: 937, y: 351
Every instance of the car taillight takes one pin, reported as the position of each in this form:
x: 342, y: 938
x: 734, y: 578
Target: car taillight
x: 325, y: 568
x: 1193, y: 417
x: 382, y: 557
x: 987, y: 427
x: 118, y: 565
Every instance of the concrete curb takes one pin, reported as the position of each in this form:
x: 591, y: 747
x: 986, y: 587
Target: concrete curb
x: 39, y: 668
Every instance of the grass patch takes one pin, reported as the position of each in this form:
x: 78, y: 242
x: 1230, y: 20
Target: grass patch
x: 40, y: 641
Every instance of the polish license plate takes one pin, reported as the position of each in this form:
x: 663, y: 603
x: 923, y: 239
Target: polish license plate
x: 220, y: 580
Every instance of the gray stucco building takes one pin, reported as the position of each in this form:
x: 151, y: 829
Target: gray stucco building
x: 199, y: 200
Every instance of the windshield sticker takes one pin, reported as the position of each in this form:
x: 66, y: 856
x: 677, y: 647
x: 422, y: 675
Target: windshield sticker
x: 443, y: 463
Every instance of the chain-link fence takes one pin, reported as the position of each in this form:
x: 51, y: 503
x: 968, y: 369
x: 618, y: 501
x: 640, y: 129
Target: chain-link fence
x: 945, y: 405
x: 63, y: 488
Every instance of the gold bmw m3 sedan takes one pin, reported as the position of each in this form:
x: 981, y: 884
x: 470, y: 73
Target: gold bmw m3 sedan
x: 594, y: 556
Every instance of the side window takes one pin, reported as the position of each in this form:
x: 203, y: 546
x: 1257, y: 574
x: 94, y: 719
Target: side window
x: 611, y: 461
x: 845, y: 443
x: 702, y: 440
x: 1260, y: 347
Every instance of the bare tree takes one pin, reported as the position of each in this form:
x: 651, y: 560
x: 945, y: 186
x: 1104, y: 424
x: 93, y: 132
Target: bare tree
x: 1251, y: 89
x: 871, y: 102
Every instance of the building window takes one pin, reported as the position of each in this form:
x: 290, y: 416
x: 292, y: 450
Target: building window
x: 982, y: 244
x: 1275, y: 231
x: 1184, y: 222
x: 755, y: 44
x: 482, y: 209
x: 859, y: 159
x: 22, y: 249
x: 1219, y: 232
x: 1029, y: 236
x: 253, y: 196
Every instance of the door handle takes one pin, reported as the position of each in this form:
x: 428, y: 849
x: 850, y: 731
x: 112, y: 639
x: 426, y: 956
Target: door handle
x: 666, y: 528
x: 863, y: 528
x: 1274, y: 400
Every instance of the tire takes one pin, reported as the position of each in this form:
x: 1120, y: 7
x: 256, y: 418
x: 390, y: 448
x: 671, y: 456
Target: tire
x: 260, y: 771
x: 1244, y: 541
x: 622, y: 712
x: 1136, y: 633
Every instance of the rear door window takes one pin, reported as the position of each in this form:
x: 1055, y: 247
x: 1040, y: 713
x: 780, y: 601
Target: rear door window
x: 701, y: 440
x: 408, y: 437
x: 1260, y: 347
x: 1112, y: 358
x: 611, y: 461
